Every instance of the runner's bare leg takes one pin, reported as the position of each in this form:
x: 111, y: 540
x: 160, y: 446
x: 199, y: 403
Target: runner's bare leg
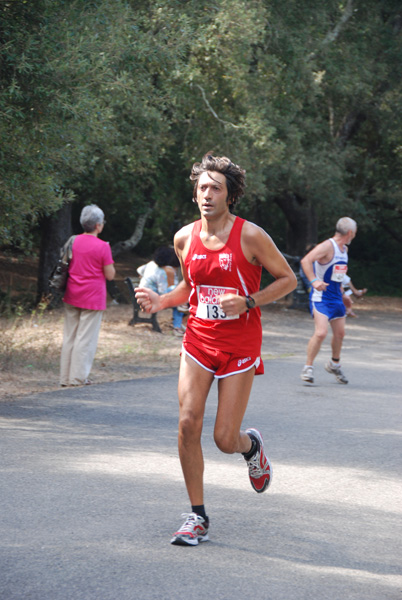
x: 233, y: 395
x: 338, y: 333
x: 319, y: 335
x: 194, y: 385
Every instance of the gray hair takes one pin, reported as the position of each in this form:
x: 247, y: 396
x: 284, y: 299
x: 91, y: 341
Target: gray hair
x: 344, y: 225
x: 91, y: 215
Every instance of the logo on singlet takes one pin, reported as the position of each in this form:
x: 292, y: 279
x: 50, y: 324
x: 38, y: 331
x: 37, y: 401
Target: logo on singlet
x: 198, y: 256
x: 225, y: 261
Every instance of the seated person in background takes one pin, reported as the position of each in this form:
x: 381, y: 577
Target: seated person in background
x: 160, y: 275
x: 349, y: 290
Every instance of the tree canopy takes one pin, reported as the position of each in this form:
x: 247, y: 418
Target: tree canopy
x: 112, y: 101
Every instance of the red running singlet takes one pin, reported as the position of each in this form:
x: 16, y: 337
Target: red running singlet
x: 213, y: 273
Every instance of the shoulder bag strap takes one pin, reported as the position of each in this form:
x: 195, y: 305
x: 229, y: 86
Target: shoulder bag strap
x: 66, y: 252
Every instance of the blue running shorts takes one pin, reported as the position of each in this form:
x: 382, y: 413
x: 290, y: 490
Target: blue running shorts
x: 332, y: 310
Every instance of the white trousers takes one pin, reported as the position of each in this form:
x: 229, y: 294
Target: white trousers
x: 80, y: 340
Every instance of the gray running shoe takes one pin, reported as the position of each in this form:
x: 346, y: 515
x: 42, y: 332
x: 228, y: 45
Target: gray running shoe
x: 259, y: 467
x: 340, y: 377
x: 307, y: 374
x: 193, y: 531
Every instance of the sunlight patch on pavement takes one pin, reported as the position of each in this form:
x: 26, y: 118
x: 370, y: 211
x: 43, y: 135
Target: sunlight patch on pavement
x: 317, y: 484
x: 374, y: 431
x: 284, y: 334
x: 387, y: 579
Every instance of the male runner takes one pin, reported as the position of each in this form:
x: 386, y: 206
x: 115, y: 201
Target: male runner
x: 325, y: 267
x: 221, y: 258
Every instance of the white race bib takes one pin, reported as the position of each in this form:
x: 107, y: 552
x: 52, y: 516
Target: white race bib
x: 208, y: 302
x: 338, y: 273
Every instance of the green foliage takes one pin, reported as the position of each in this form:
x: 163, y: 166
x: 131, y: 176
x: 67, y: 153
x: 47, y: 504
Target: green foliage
x: 112, y: 101
x: 373, y: 264
x: 80, y: 101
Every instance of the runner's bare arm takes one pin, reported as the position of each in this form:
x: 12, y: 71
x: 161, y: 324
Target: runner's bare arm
x: 322, y: 253
x: 259, y: 249
x: 182, y: 241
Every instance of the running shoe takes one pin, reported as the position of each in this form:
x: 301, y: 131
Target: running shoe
x: 259, y: 467
x: 307, y: 374
x: 193, y: 531
x: 340, y: 377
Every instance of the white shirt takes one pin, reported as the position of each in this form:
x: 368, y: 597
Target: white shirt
x: 153, y: 277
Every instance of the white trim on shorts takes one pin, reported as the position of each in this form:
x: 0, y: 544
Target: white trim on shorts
x: 255, y: 364
x: 195, y: 360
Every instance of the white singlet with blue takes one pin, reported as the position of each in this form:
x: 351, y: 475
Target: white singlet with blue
x: 332, y: 273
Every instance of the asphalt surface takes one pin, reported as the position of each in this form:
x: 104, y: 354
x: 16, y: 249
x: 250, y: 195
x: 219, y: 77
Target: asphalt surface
x: 91, y: 486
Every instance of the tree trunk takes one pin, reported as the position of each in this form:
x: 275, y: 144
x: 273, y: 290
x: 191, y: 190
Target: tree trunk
x: 135, y: 238
x: 301, y: 235
x: 56, y: 230
x: 301, y: 230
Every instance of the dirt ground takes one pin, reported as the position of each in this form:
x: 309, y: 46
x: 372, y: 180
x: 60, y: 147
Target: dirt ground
x: 30, y: 344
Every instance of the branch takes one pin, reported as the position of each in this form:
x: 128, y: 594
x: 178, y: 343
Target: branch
x: 332, y: 35
x: 349, y: 126
x: 212, y: 110
x: 331, y: 117
x: 135, y: 238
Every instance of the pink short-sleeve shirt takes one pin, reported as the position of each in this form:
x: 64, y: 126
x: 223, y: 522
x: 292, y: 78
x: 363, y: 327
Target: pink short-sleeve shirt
x: 86, y: 284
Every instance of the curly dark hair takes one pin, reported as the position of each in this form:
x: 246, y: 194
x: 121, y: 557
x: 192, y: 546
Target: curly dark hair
x: 165, y: 256
x: 235, y: 175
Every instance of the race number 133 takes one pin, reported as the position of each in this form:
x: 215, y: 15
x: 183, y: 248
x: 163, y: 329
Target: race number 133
x: 208, y: 302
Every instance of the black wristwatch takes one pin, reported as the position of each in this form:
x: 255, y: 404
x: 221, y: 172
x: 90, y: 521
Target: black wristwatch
x: 250, y: 302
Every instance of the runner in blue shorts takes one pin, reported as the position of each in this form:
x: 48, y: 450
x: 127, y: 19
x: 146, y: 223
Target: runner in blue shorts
x: 332, y: 310
x: 325, y: 267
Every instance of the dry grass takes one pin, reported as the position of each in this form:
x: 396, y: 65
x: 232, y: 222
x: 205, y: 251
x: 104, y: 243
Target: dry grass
x: 30, y: 350
x: 30, y: 344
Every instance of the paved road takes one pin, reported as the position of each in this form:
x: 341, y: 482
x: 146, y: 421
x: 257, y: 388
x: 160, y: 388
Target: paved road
x: 91, y: 487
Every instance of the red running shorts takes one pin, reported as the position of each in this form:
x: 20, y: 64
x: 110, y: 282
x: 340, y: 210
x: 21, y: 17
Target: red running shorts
x: 223, y: 364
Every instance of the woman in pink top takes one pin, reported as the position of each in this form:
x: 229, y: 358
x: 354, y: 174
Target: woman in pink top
x: 85, y: 298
